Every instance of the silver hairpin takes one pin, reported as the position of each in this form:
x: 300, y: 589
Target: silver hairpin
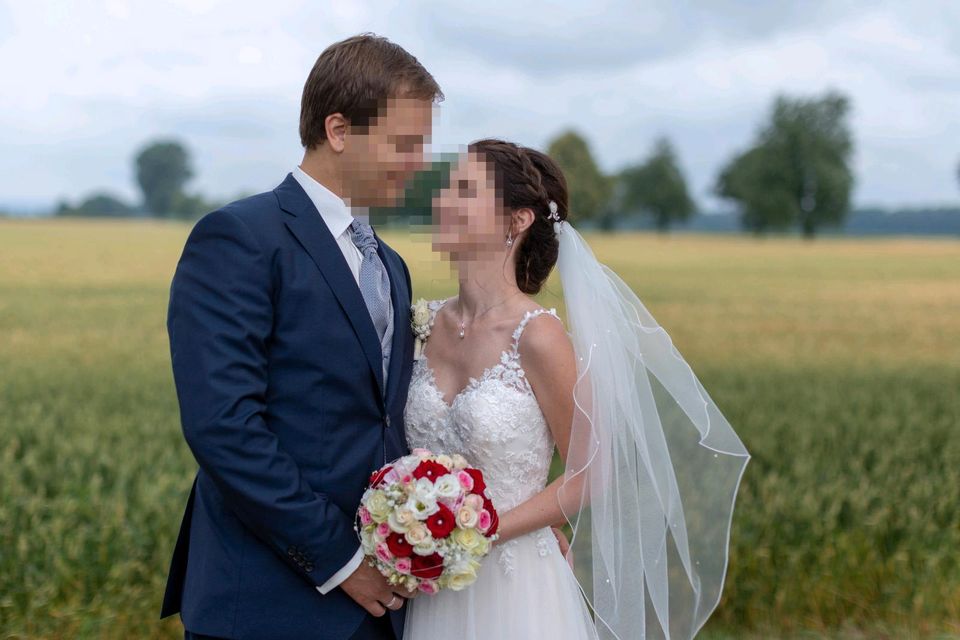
x: 554, y: 211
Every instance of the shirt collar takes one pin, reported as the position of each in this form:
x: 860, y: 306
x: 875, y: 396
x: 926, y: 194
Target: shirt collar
x: 334, y: 211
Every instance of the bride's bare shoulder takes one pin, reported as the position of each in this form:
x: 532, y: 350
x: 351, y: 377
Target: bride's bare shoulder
x: 543, y: 342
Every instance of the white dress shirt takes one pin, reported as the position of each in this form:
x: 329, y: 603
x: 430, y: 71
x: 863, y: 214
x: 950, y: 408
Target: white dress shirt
x: 338, y: 217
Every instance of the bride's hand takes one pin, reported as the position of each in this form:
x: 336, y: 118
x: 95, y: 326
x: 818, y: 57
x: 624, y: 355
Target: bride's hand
x: 564, y: 545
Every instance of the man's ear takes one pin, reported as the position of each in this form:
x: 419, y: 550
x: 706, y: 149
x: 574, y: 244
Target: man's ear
x: 336, y: 127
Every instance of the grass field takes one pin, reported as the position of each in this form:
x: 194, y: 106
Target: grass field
x: 837, y: 362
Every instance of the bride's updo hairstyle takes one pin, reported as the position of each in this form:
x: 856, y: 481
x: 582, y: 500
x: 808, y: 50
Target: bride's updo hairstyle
x: 527, y: 178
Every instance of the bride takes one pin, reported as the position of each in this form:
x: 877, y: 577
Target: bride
x: 651, y: 467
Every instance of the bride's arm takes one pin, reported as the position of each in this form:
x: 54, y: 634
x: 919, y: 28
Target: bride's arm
x: 550, y: 366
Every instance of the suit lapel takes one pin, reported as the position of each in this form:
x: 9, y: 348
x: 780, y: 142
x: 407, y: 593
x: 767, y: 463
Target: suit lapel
x: 401, y: 317
x: 310, y: 230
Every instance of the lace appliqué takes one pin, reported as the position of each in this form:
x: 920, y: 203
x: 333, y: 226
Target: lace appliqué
x: 544, y: 538
x: 545, y: 542
x: 507, y: 556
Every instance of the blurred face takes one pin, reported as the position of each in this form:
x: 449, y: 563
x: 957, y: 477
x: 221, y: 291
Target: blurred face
x: 379, y: 159
x: 468, y: 219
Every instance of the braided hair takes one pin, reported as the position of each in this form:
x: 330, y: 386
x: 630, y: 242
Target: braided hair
x: 527, y: 178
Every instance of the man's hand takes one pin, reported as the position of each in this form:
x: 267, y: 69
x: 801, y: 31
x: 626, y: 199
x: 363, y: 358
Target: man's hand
x: 370, y: 590
x: 564, y: 544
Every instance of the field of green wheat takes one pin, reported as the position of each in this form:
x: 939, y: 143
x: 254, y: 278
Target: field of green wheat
x: 837, y: 362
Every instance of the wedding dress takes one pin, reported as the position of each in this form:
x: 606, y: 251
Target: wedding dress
x: 649, y: 482
x: 525, y: 590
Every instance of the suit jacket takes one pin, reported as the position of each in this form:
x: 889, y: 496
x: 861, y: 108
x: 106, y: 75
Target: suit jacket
x: 278, y: 373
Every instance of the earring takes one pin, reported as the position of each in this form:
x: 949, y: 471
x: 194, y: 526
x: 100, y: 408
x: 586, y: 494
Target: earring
x: 509, y: 239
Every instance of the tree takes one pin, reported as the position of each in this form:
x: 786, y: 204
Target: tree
x: 97, y: 204
x: 589, y: 189
x: 163, y: 168
x: 416, y: 205
x: 657, y: 187
x: 752, y: 179
x: 798, y: 170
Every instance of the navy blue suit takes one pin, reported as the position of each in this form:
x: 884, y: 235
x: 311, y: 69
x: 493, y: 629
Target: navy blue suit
x: 278, y: 373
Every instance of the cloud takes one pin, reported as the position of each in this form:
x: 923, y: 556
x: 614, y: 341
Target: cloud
x: 94, y: 81
x: 609, y: 35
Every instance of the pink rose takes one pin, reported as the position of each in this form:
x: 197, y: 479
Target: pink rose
x: 428, y: 586
x: 466, y: 480
x: 403, y: 565
x: 484, y: 521
x: 383, y: 552
x: 365, y: 517
x: 383, y: 530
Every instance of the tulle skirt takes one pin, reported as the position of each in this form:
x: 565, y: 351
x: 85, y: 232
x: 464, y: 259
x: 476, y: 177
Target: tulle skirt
x: 525, y: 590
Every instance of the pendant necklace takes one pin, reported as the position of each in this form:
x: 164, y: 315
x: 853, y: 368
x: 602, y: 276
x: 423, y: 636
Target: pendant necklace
x: 463, y: 326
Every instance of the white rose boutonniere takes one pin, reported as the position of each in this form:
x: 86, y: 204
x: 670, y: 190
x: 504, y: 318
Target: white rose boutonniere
x: 420, y: 323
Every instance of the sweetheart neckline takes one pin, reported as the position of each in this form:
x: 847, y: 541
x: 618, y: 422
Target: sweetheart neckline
x: 472, y: 381
x: 511, y: 353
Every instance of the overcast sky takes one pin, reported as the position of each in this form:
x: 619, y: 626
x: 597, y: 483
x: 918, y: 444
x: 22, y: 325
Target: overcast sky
x: 84, y: 84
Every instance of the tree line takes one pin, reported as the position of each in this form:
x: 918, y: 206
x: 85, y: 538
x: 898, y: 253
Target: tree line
x: 162, y: 168
x: 794, y: 175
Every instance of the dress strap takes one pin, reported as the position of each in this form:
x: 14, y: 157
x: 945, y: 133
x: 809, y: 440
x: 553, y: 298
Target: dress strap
x: 434, y: 307
x: 527, y: 317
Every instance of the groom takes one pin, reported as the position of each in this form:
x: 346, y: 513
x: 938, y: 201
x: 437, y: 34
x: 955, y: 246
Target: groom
x: 291, y: 348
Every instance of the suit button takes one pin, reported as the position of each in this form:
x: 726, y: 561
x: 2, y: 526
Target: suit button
x: 308, y: 567
x: 291, y: 552
x: 386, y: 421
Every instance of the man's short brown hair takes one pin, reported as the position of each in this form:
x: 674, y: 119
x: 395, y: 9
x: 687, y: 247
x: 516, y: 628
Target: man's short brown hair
x: 355, y: 77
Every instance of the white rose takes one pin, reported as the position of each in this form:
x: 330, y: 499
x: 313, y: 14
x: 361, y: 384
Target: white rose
x: 401, y: 519
x: 423, y: 500
x: 447, y: 486
x: 367, y: 541
x: 424, y: 488
x: 467, y: 517
x: 417, y: 533
x: 465, y: 575
x: 379, y: 506
x: 425, y: 548
x: 471, y: 540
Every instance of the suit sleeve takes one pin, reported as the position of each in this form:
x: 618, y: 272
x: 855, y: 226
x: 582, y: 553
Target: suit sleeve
x: 219, y: 322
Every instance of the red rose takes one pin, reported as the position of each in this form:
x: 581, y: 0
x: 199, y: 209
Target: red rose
x: 430, y: 470
x: 478, y: 484
x: 442, y: 522
x: 377, y: 476
x: 494, y: 517
x: 399, y: 546
x: 427, y: 567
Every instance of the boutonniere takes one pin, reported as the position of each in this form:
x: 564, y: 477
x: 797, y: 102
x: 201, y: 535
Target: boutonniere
x: 420, y: 323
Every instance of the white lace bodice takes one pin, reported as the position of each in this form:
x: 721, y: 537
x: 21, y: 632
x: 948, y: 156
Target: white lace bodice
x: 495, y: 422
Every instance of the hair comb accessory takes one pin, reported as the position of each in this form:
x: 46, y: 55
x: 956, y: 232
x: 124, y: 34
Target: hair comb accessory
x: 555, y: 216
x: 554, y: 211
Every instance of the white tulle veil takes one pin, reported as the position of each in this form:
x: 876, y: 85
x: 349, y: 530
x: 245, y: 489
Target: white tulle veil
x: 652, y: 469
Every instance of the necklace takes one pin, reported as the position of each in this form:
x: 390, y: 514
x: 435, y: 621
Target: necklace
x: 463, y: 326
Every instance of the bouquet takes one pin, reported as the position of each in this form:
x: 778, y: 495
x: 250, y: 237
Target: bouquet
x: 426, y: 521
